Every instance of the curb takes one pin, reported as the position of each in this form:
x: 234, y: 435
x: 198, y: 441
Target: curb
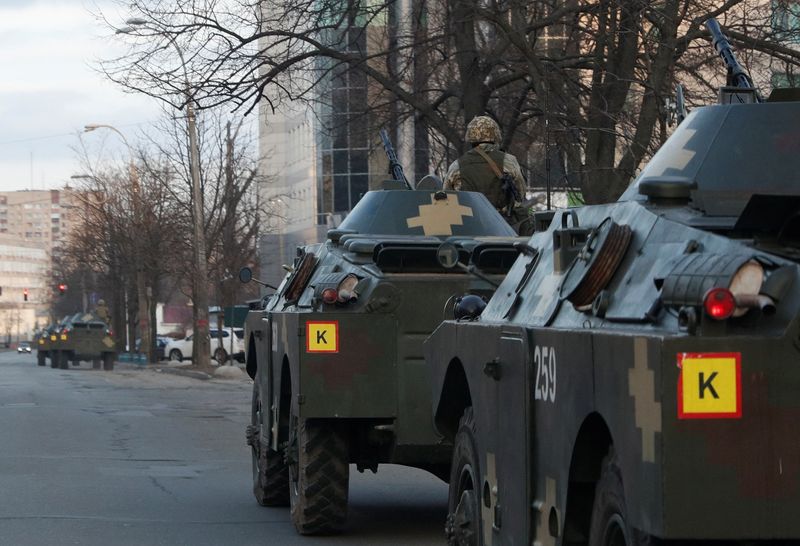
x: 186, y: 373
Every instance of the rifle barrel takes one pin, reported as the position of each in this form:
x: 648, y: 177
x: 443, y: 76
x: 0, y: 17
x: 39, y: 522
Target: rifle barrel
x: 395, y: 168
x: 738, y: 76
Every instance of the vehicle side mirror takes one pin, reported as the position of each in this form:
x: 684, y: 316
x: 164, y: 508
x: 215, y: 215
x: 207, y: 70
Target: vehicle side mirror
x: 246, y: 275
x: 447, y: 255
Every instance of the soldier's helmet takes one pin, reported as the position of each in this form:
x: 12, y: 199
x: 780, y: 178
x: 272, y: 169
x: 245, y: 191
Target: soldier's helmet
x: 482, y: 129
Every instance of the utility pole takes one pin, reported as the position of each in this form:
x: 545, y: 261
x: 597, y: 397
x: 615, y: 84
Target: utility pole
x: 202, y: 341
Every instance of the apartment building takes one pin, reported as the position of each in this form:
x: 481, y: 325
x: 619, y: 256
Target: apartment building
x: 32, y: 226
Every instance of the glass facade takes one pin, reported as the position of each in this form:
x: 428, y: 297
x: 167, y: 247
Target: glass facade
x: 786, y: 20
x: 786, y: 25
x: 343, y: 138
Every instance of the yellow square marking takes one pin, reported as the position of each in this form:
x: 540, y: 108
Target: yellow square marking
x: 710, y: 386
x: 322, y: 337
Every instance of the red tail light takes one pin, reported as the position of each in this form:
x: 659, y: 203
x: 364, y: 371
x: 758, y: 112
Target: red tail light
x: 330, y: 295
x: 719, y: 303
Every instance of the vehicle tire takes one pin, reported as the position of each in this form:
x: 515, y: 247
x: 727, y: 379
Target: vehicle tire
x: 220, y: 356
x: 463, y: 527
x: 40, y: 358
x: 76, y: 362
x: 175, y: 354
x: 53, y: 359
x: 108, y: 361
x: 319, y: 476
x: 609, y: 522
x: 63, y: 360
x: 96, y: 363
x: 270, y: 471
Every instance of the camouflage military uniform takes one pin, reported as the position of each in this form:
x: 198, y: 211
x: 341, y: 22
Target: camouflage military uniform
x: 471, y: 171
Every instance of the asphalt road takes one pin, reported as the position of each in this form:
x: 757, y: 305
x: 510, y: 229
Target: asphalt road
x: 137, y: 457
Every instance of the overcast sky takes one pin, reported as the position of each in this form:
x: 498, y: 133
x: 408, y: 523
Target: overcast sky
x: 49, y: 90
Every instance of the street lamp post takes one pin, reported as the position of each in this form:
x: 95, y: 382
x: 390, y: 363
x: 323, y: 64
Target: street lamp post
x: 141, y: 288
x: 202, y: 343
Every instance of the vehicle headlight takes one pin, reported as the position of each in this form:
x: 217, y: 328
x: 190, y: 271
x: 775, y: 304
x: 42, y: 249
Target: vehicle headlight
x: 745, y: 286
x: 347, y: 289
x: 338, y: 288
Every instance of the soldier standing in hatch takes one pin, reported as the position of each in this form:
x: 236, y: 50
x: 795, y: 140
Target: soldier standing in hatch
x: 481, y: 168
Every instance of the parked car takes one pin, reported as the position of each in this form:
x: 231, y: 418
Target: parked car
x: 179, y: 349
x: 161, y: 343
x: 24, y: 347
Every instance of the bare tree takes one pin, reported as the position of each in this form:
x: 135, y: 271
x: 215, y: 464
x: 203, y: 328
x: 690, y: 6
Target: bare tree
x: 588, y: 79
x: 229, y: 185
x: 106, y: 248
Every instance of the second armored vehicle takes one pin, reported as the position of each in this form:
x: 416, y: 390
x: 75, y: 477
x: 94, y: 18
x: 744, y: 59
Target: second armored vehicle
x: 336, y: 352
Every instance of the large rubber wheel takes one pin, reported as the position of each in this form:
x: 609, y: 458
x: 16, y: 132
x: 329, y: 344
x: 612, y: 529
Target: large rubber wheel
x: 108, y: 361
x: 175, y: 354
x: 609, y: 523
x: 220, y: 356
x: 319, y: 476
x: 96, y: 363
x: 76, y: 362
x: 40, y: 358
x: 463, y: 527
x: 63, y: 360
x: 53, y: 359
x: 270, y: 471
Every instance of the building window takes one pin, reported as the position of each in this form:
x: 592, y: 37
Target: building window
x: 783, y: 80
x: 786, y: 20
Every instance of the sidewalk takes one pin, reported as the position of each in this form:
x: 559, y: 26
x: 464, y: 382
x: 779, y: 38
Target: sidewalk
x: 188, y: 369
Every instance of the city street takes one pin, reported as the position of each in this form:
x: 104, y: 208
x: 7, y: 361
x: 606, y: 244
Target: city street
x: 138, y: 457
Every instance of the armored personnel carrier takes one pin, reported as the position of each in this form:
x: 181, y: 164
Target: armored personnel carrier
x: 44, y: 341
x: 336, y: 351
x: 84, y: 336
x: 634, y: 378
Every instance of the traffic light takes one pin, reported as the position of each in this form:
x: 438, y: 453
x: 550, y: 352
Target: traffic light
x: 25, y: 294
x: 61, y: 289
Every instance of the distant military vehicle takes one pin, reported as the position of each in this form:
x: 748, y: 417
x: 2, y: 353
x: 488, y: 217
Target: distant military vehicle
x: 84, y: 336
x: 336, y: 352
x: 634, y: 378
x: 44, y: 341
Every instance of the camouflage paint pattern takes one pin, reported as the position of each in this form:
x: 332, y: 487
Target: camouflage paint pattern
x: 482, y: 129
x: 84, y: 336
x: 701, y: 413
x: 361, y: 361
